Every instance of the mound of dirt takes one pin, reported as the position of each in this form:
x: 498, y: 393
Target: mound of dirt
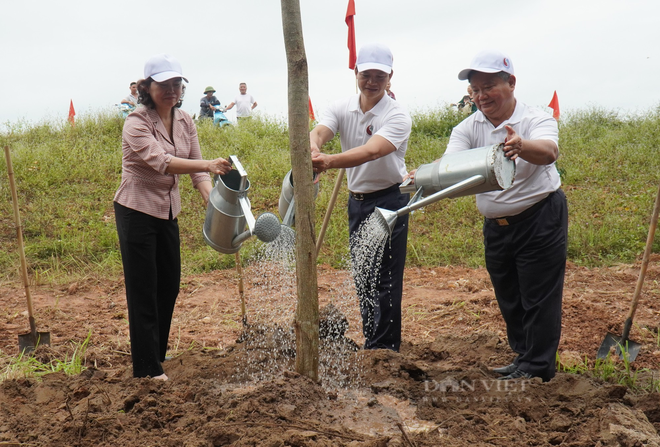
x: 233, y: 386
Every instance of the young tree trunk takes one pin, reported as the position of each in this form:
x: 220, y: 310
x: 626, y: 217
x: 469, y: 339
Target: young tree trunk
x: 307, y: 310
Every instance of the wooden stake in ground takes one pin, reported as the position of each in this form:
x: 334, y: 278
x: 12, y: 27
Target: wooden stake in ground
x: 241, y: 290
x: 307, y: 310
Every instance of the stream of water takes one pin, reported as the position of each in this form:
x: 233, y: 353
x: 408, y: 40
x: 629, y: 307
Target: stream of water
x: 271, y: 301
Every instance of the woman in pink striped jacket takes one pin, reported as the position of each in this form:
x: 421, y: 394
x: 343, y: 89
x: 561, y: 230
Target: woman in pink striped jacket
x: 159, y: 143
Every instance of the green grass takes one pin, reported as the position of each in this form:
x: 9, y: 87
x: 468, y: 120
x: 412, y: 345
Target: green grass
x: 614, y: 370
x: 24, y: 366
x: 66, y: 179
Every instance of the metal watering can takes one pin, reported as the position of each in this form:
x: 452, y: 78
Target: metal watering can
x: 454, y: 175
x: 229, y: 212
x: 287, y: 208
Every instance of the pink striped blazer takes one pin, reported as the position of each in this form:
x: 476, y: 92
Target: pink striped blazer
x: 147, y: 150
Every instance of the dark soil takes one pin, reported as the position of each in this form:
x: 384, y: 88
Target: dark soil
x: 232, y: 385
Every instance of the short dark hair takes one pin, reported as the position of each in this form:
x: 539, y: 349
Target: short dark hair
x: 145, y: 99
x: 132, y: 84
x: 500, y: 74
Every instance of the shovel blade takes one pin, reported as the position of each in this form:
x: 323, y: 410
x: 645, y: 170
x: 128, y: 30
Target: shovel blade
x: 622, y: 348
x: 28, y: 342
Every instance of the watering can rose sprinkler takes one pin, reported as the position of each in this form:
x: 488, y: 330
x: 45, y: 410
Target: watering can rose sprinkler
x: 229, y: 212
x: 456, y: 174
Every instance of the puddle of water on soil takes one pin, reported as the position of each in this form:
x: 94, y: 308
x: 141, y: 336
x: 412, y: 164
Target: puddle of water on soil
x: 406, y: 412
x: 366, y: 414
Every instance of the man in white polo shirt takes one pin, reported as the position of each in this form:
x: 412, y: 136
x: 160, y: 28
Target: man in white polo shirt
x: 525, y: 227
x: 374, y: 132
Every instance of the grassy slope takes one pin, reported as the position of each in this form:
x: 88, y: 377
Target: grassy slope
x: 66, y: 178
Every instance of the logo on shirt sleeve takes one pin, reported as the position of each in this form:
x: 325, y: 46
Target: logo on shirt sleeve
x: 370, y: 129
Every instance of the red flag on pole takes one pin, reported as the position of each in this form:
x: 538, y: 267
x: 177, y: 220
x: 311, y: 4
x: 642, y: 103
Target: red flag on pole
x: 350, y: 22
x: 72, y: 113
x: 311, y: 110
x: 554, y: 105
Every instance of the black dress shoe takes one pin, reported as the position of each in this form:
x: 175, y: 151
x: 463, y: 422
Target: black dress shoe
x: 517, y: 374
x: 506, y: 370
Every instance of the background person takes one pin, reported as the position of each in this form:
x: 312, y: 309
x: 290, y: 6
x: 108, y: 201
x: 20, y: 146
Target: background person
x: 525, y: 227
x: 466, y: 104
x: 147, y: 204
x: 244, y: 102
x: 132, y: 98
x: 207, y: 103
x: 374, y: 134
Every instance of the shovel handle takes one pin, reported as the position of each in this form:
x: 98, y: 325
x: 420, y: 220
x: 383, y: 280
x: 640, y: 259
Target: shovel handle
x: 626, y: 331
x: 19, y: 236
x: 645, y: 263
x: 328, y: 212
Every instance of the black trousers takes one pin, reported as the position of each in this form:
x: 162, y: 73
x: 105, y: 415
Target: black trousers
x: 381, y: 314
x: 150, y: 252
x: 526, y: 262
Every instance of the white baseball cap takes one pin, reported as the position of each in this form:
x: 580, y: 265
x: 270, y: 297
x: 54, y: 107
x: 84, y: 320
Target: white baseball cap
x: 162, y: 67
x: 488, y: 61
x: 375, y: 56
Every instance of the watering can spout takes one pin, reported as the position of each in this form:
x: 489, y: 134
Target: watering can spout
x: 387, y: 219
x: 267, y: 228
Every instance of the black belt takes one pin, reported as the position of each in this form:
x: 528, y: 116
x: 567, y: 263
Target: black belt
x: 510, y: 220
x: 373, y: 195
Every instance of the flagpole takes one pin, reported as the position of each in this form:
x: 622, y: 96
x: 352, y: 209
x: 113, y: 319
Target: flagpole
x: 352, y: 56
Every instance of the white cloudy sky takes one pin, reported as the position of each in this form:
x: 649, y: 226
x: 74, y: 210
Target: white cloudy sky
x: 594, y: 53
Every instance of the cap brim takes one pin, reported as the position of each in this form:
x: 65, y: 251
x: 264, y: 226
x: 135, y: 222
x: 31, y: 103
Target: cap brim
x: 164, y: 76
x: 374, y: 66
x: 464, y: 74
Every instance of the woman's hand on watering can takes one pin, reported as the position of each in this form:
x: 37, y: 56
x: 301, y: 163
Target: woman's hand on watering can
x: 219, y: 166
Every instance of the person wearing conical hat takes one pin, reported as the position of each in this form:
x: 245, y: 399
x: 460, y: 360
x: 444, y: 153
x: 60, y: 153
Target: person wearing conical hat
x: 207, y: 103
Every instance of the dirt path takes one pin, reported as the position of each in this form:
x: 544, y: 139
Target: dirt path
x: 438, y: 391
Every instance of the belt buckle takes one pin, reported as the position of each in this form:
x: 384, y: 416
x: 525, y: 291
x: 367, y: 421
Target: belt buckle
x: 358, y: 196
x: 502, y: 222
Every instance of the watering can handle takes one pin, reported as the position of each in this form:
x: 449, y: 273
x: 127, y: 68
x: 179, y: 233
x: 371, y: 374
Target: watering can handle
x: 408, y: 186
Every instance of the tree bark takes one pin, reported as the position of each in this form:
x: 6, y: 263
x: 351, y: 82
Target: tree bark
x: 307, y: 309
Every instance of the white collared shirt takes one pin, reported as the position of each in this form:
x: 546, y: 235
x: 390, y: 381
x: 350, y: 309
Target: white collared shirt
x: 388, y: 119
x: 532, y: 182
